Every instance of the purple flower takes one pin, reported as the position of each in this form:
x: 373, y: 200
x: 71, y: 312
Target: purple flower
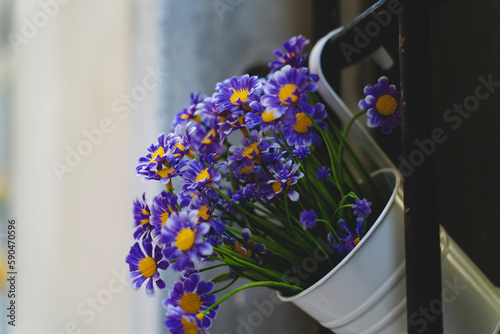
x: 268, y: 119
x: 142, y: 215
x: 163, y: 206
x: 301, y: 152
x: 247, y: 248
x: 179, y: 141
x: 156, y: 155
x: 250, y: 154
x: 383, y: 105
x: 236, y: 94
x: 193, y: 296
x: 201, y: 174
x: 308, y: 219
x: 144, y: 264
x: 189, y: 111
x: 284, y: 176
x: 185, y: 237
x: 323, y: 173
x: 205, y: 204
x: 299, y: 130
x: 166, y: 172
x: 245, y: 194
x: 286, y: 91
x: 180, y: 322
x: 362, y: 208
x: 349, y: 239
x: 292, y: 55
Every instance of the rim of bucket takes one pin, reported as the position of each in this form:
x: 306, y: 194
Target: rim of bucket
x: 362, y: 241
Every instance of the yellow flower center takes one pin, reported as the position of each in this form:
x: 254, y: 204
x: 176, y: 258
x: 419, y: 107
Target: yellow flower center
x: 191, y: 302
x: 287, y: 91
x: 386, y: 105
x: 277, y: 187
x: 165, y: 172
x: 303, y: 123
x: 209, y: 137
x: 203, y: 213
x: 189, y: 326
x: 147, y: 267
x: 202, y: 176
x: 268, y: 116
x: 252, y: 148
x: 185, y: 239
x: 245, y: 170
x: 158, y: 153
x: 240, y: 250
x: 239, y: 94
x: 164, y: 216
x: 356, y: 241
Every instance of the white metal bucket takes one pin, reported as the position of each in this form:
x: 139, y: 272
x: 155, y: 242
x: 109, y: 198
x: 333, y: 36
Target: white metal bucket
x: 366, y: 292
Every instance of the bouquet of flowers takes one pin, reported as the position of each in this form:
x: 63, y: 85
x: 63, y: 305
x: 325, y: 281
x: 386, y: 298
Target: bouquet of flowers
x: 257, y: 179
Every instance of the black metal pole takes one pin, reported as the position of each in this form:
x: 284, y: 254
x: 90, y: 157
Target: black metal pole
x: 423, y: 261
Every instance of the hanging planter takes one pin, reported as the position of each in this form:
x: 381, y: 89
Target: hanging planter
x: 366, y: 292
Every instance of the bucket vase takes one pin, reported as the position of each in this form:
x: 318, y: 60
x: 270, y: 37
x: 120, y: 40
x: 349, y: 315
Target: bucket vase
x: 366, y: 292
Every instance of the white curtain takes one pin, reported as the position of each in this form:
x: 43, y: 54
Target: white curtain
x: 78, y: 92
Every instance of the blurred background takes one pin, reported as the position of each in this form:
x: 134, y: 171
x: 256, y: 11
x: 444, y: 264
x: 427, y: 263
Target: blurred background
x: 87, y: 85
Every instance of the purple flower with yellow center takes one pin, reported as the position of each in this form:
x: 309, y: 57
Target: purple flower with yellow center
x: 292, y: 55
x: 144, y: 264
x: 201, y: 174
x: 188, y: 113
x: 308, y: 219
x: 299, y: 129
x: 383, y: 105
x: 250, y: 153
x: 163, y: 206
x: 284, y: 91
x: 185, y: 237
x: 247, y: 248
x: 362, y: 208
x: 179, y: 141
x: 180, y: 322
x: 348, y: 238
x: 236, y: 94
x: 323, y: 173
x: 142, y: 217
x: 166, y: 172
x: 155, y: 157
x: 205, y: 204
x: 210, y: 142
x: 284, y: 176
x: 193, y: 296
x: 268, y: 119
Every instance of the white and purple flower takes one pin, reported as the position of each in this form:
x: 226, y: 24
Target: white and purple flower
x: 185, y: 237
x: 144, y: 264
x: 383, y: 105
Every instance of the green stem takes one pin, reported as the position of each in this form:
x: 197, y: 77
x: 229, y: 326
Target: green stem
x: 268, y: 284
x: 226, y: 286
